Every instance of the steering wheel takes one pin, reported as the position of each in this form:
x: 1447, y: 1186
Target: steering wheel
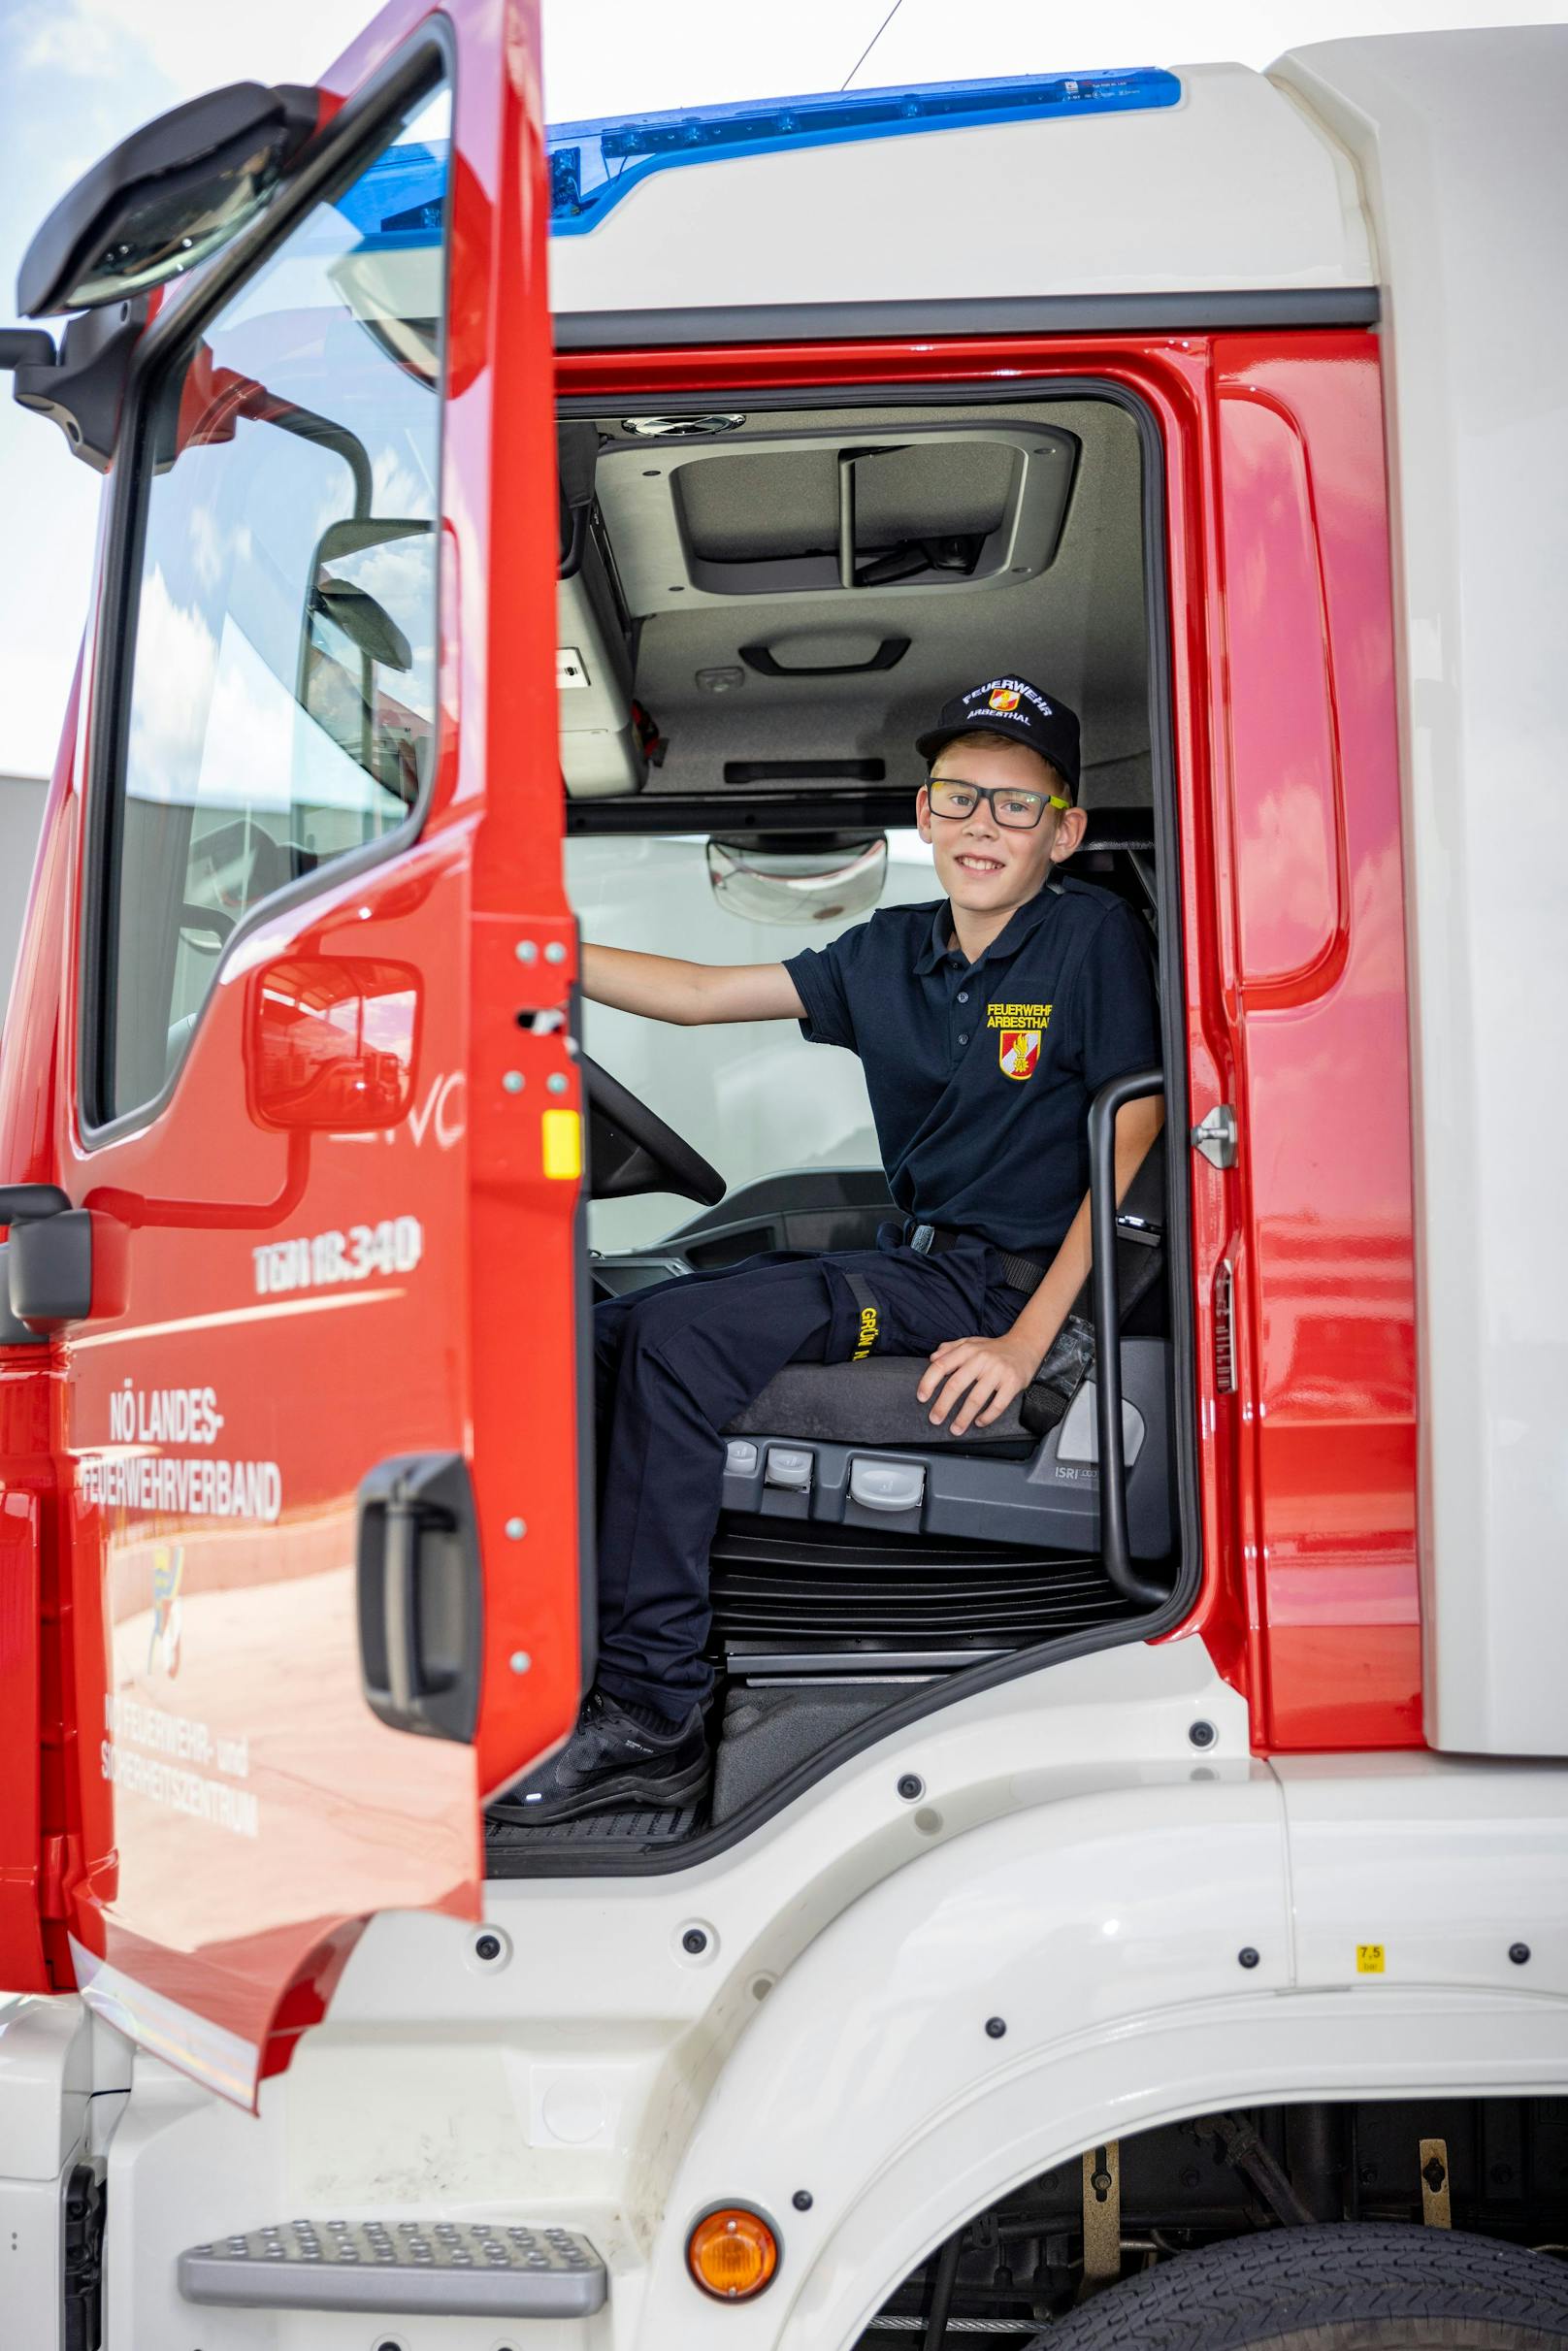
x: 630, y: 1149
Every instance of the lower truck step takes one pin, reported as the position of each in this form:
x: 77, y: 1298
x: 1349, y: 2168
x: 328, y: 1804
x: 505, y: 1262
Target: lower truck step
x: 405, y: 2268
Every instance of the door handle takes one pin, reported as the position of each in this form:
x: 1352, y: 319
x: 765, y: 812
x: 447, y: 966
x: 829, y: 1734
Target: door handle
x: 48, y: 1258
x: 420, y: 1596
x: 399, y: 1562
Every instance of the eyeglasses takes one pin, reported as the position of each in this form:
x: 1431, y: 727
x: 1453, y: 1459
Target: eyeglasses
x: 1019, y: 811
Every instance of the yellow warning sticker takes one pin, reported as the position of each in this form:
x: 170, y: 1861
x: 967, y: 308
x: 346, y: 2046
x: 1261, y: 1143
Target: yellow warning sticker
x: 561, y: 1134
x: 1369, y: 1959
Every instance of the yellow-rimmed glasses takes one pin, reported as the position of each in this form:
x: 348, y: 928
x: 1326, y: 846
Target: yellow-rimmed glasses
x: 1018, y: 809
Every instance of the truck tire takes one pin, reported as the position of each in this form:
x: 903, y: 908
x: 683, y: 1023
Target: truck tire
x: 1373, y: 2287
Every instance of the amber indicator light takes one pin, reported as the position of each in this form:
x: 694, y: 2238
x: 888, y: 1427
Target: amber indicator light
x: 733, y: 2254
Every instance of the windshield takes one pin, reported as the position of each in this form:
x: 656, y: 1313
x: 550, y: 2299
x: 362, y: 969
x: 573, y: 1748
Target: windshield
x: 752, y: 1096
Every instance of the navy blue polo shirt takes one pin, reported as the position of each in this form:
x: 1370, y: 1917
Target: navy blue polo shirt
x: 980, y: 1075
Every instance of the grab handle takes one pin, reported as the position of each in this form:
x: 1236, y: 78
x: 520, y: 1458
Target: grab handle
x: 888, y: 654
x: 1116, y: 1556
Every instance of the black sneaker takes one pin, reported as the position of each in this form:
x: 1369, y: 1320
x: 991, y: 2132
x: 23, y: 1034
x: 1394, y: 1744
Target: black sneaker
x: 611, y: 1762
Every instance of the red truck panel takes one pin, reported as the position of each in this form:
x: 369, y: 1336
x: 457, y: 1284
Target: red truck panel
x: 231, y: 1810
x: 1293, y: 914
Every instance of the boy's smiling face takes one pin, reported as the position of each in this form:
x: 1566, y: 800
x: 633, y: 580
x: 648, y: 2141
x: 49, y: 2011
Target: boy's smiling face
x: 988, y: 870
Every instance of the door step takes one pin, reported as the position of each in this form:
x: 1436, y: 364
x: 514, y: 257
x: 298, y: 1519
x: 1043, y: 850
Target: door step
x: 620, y: 1829
x: 406, y: 2268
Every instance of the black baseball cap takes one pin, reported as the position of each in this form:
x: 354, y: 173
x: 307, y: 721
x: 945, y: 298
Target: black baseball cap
x: 1013, y: 708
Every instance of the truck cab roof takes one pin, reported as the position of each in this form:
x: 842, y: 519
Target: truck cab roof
x: 1230, y: 187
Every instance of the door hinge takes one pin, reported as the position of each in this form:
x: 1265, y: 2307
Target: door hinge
x: 1215, y: 1135
x: 84, y: 2214
x: 55, y: 1869
x: 1225, y: 1329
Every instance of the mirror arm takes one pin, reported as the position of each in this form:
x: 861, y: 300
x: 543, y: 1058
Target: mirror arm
x: 81, y: 388
x: 289, y: 417
x: 134, y: 1209
x: 26, y: 347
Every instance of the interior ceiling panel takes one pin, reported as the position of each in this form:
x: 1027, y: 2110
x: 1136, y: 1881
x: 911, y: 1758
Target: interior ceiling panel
x: 926, y: 508
x: 1078, y: 628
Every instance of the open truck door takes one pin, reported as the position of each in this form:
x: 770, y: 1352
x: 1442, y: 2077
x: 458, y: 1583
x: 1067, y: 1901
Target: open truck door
x: 313, y: 1345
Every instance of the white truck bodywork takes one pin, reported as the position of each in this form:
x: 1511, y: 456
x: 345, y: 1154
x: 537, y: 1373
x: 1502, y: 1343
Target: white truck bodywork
x: 1074, y: 1867
x: 1458, y: 141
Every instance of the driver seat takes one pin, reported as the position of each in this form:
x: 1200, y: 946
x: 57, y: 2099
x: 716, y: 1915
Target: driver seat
x: 849, y: 1445
x: 852, y: 1442
x: 869, y: 1403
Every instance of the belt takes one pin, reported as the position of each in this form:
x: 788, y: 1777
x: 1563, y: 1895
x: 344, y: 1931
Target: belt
x: 932, y: 1241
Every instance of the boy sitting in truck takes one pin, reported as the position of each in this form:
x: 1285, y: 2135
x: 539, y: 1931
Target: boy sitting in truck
x: 986, y: 1024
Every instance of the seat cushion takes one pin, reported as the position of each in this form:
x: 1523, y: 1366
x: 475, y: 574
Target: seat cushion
x: 869, y: 1403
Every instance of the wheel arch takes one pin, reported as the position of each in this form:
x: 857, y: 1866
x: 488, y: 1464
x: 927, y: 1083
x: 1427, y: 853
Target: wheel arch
x: 868, y: 2081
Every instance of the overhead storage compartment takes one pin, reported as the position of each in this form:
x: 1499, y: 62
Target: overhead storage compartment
x: 825, y: 512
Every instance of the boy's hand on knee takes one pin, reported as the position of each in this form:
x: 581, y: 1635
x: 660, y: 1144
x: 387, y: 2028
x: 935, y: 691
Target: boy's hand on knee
x: 987, y: 1373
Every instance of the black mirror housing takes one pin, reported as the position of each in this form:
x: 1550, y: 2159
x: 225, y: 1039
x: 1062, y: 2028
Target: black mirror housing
x: 164, y: 198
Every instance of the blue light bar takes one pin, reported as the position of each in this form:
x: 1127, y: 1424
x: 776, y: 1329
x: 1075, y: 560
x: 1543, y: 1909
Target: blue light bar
x: 398, y: 200
x: 593, y: 165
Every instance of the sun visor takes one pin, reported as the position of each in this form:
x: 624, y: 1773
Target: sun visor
x: 397, y: 298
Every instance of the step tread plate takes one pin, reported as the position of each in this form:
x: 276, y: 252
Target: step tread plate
x: 622, y: 1828
x: 416, y: 2269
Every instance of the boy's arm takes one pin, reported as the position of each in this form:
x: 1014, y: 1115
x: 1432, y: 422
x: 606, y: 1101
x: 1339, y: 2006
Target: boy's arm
x: 664, y: 988
x: 989, y: 1373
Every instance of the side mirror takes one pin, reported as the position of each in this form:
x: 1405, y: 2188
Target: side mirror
x: 164, y: 198
x: 45, y: 1264
x: 331, y: 1044
x: 366, y: 624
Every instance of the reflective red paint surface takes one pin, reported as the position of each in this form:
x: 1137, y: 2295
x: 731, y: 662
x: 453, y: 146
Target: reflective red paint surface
x: 1328, y: 1451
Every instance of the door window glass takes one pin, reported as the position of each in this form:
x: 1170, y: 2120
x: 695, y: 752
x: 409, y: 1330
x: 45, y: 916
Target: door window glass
x: 281, y: 701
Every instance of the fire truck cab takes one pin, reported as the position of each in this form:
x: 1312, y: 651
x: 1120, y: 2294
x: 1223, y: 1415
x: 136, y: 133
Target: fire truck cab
x: 1132, y: 1894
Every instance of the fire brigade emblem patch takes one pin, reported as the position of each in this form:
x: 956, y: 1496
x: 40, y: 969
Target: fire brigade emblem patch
x: 1005, y: 699
x: 1020, y: 1051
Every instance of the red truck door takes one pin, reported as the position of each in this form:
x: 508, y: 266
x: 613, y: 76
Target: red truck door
x: 315, y: 1434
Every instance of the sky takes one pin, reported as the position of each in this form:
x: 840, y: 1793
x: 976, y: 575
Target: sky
x: 75, y: 76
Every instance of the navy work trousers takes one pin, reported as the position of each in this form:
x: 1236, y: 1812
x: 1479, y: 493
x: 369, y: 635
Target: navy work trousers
x: 680, y: 1359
